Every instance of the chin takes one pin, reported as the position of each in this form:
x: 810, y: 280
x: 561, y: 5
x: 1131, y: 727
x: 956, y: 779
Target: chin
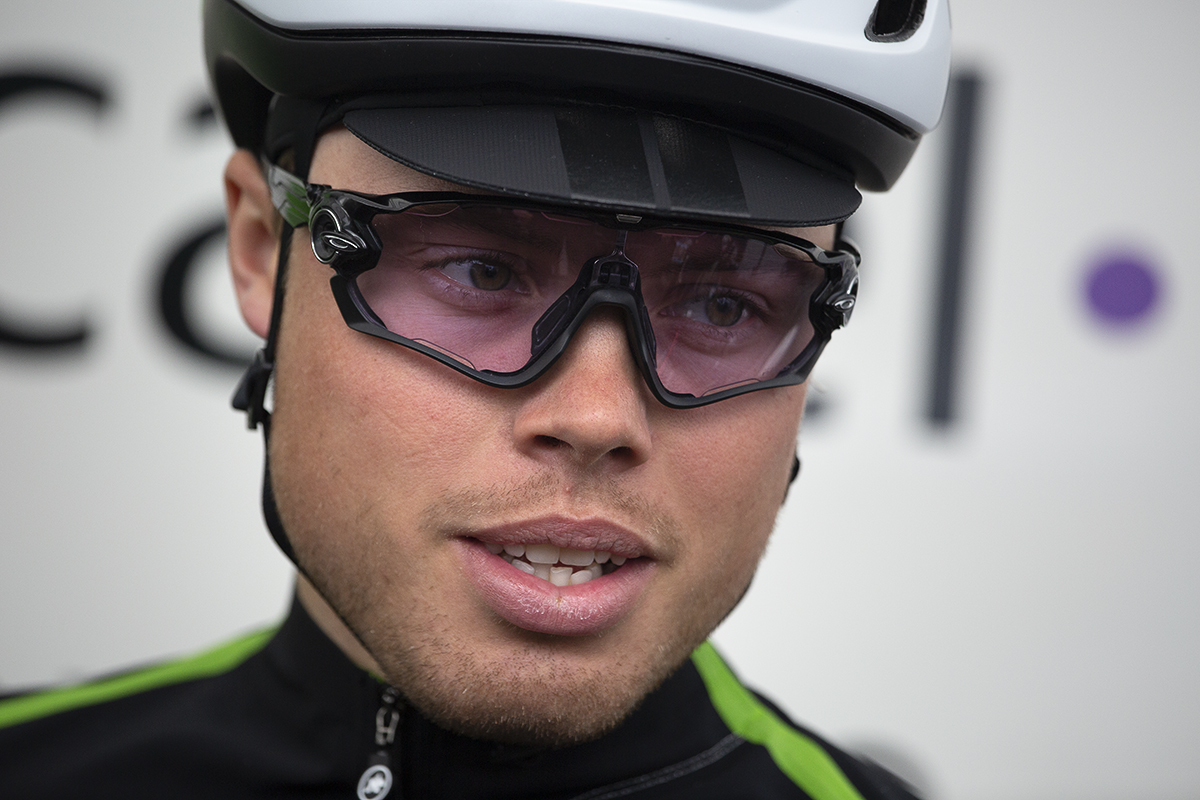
x: 527, y: 697
x: 530, y: 726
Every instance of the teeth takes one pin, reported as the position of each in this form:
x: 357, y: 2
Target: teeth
x: 542, y: 553
x: 576, y: 558
x: 563, y: 566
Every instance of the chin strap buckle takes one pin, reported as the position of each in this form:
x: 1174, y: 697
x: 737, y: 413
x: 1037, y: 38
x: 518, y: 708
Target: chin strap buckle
x: 252, y: 390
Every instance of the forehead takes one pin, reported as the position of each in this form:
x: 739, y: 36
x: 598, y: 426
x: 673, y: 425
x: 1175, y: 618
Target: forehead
x: 343, y: 161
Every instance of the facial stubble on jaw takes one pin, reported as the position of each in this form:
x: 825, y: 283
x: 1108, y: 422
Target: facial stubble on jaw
x: 543, y: 690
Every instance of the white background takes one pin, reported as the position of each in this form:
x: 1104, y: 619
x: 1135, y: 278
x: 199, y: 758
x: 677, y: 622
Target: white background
x: 1007, y: 608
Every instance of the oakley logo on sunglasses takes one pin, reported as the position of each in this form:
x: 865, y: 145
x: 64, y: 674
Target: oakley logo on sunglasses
x: 331, y: 237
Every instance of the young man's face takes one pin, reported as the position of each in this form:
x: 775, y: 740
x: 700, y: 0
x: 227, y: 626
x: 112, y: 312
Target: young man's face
x: 392, y: 472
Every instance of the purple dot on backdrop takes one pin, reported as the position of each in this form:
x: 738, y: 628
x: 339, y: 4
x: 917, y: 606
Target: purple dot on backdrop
x: 1122, y: 288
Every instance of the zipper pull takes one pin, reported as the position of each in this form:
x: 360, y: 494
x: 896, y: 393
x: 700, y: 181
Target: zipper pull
x: 377, y: 780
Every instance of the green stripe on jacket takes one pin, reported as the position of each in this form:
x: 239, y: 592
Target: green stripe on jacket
x: 53, y: 701
x: 798, y: 756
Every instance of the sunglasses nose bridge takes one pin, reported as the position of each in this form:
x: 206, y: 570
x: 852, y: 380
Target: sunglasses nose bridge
x: 606, y: 281
x: 628, y: 304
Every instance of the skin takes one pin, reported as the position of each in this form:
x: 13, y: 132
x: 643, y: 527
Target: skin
x: 381, y: 458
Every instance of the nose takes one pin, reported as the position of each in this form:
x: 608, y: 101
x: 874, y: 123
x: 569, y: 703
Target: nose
x: 591, y: 408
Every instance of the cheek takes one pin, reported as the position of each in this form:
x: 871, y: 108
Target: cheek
x: 354, y: 415
x: 727, y: 470
x: 381, y: 428
x: 732, y: 468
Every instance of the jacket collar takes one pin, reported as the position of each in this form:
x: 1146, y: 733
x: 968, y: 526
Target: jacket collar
x: 673, y: 724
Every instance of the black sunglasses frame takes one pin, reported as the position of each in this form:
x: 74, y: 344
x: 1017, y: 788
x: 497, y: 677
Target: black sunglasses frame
x: 342, y: 237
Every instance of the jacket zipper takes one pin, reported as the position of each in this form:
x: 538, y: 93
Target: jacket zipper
x: 379, y: 779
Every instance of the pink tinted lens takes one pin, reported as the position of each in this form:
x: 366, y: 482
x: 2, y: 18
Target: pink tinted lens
x: 471, y: 282
x: 726, y: 310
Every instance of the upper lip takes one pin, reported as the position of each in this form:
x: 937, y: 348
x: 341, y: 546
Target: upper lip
x: 575, y: 534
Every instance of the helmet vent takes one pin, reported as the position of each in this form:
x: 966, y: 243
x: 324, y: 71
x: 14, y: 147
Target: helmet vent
x: 895, y: 20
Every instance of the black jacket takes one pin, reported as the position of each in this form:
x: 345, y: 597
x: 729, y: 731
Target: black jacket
x: 288, y: 715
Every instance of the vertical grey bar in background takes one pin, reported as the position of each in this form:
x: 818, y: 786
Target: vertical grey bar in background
x: 961, y: 124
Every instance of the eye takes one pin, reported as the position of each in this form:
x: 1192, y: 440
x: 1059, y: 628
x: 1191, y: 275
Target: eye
x: 723, y: 310
x: 489, y: 276
x: 719, y: 310
x: 717, y: 307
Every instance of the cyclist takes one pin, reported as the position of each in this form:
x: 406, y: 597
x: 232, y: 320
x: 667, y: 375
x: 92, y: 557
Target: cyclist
x: 541, y: 284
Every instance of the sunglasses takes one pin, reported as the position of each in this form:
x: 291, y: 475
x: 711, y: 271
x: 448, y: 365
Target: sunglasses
x: 495, y: 287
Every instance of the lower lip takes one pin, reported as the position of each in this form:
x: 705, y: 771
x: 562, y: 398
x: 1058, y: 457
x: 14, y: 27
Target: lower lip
x: 539, y: 606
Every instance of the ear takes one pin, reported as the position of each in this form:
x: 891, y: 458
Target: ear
x: 253, y: 239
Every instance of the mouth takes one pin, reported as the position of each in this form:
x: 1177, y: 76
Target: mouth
x: 561, y: 566
x: 563, y: 577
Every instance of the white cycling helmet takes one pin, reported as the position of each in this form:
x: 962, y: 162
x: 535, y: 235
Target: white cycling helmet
x: 761, y: 111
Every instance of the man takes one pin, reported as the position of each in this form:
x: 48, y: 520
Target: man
x: 540, y: 285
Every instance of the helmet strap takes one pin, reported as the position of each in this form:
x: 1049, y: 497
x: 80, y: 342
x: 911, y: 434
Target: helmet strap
x: 293, y: 127
x: 271, y: 511
x: 795, y: 473
x: 251, y: 393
